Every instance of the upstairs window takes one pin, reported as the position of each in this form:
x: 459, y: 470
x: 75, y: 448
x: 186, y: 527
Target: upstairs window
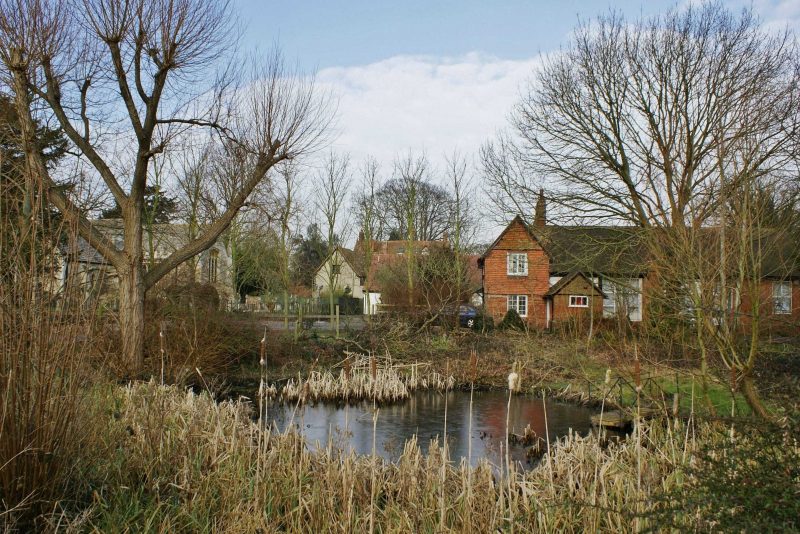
x: 782, y: 297
x: 518, y: 303
x: 578, y: 301
x: 213, y: 259
x: 517, y: 263
x: 336, y: 269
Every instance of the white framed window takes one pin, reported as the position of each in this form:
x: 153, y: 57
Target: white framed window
x: 518, y: 303
x: 623, y: 297
x: 517, y: 263
x: 578, y: 301
x: 782, y: 297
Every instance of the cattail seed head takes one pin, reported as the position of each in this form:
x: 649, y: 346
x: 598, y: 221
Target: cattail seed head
x: 513, y: 382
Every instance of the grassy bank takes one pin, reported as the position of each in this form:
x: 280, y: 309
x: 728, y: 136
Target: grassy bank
x: 569, y: 368
x: 159, y: 459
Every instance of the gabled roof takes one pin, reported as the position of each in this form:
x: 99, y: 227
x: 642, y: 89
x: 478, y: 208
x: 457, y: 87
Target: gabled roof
x: 515, y: 220
x: 556, y: 288
x: 592, y: 249
x: 355, y: 260
x: 347, y: 255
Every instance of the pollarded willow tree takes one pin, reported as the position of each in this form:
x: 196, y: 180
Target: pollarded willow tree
x: 668, y: 124
x: 126, y: 80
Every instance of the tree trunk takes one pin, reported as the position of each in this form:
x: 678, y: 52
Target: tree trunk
x: 131, y: 317
x: 132, y: 287
x: 330, y: 303
x: 285, y: 310
x: 753, y: 398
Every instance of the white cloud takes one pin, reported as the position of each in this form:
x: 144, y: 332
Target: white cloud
x: 423, y: 103
x: 779, y: 14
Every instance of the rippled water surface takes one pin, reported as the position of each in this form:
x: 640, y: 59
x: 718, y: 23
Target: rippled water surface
x: 350, y: 426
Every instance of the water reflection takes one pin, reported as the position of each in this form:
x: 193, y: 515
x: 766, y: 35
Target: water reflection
x: 350, y: 426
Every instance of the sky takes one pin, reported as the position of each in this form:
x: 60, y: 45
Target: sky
x: 433, y: 76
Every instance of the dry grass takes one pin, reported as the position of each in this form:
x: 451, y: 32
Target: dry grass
x: 182, y: 462
x: 44, y: 344
x: 370, y: 377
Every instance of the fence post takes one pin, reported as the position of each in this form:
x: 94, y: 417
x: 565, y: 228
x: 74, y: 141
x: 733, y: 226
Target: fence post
x: 337, y: 321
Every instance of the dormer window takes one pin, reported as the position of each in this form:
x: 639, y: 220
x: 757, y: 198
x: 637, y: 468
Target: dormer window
x: 517, y: 263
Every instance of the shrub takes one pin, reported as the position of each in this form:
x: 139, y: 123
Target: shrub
x: 483, y: 323
x: 512, y: 321
x: 749, y: 484
x: 196, y: 335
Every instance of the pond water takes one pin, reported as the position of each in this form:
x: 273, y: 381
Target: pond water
x: 349, y: 427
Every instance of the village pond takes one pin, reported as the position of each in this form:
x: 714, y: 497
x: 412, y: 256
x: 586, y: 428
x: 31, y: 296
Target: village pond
x: 350, y: 426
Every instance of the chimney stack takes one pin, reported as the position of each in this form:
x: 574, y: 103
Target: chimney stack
x: 540, y: 215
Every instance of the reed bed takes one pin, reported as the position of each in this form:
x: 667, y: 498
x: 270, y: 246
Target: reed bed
x: 366, y: 377
x: 182, y: 462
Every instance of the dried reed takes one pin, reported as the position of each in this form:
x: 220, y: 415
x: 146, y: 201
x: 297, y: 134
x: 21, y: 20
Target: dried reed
x: 365, y: 377
x: 199, y: 476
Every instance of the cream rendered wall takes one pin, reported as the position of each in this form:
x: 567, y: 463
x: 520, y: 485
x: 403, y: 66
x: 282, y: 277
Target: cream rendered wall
x: 346, y: 277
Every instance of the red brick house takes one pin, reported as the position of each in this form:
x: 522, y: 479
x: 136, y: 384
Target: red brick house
x: 550, y: 274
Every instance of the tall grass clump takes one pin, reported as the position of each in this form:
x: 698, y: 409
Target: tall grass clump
x: 44, y: 338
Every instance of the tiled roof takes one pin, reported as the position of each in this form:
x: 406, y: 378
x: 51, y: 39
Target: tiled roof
x: 594, y: 249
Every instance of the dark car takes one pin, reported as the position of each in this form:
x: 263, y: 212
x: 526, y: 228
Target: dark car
x: 467, y: 316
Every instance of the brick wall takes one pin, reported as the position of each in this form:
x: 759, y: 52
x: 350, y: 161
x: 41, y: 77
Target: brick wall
x: 779, y: 323
x: 498, y: 284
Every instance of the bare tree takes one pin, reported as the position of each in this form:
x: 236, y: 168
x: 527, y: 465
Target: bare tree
x: 410, y: 173
x: 332, y: 185
x: 462, y: 226
x: 191, y: 170
x: 411, y: 202
x: 629, y: 119
x: 96, y: 64
x: 655, y: 124
x: 369, y: 221
x: 287, y: 213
